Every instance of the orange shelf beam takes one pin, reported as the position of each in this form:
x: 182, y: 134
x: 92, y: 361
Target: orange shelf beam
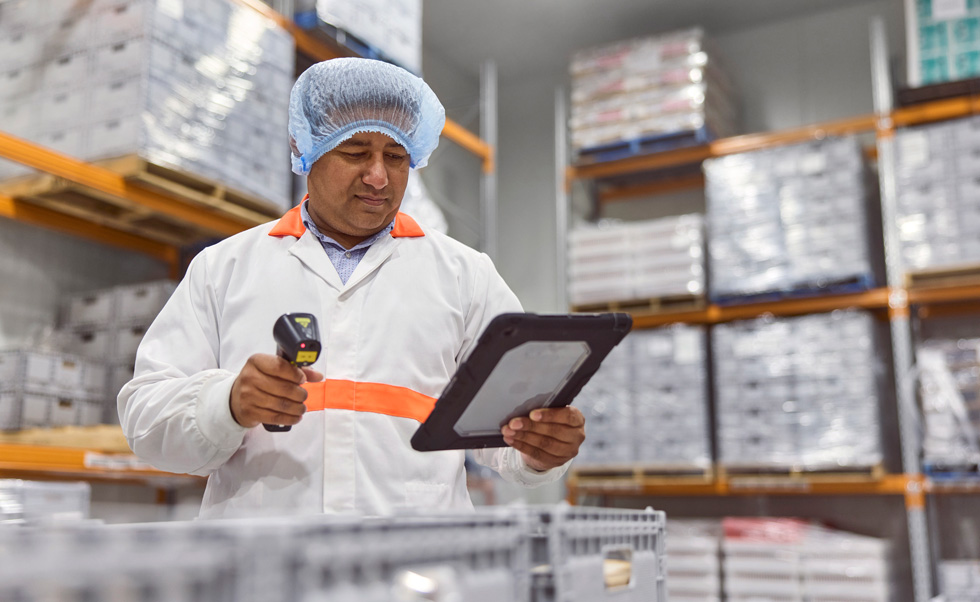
x: 46, y: 218
x: 621, y: 193
x: 109, y: 182
x: 898, y: 484
x: 715, y: 314
x: 35, y: 461
x: 936, y: 111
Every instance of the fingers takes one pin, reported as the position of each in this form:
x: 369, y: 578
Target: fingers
x: 548, y: 438
x: 268, y: 390
x: 312, y: 376
x: 273, y: 365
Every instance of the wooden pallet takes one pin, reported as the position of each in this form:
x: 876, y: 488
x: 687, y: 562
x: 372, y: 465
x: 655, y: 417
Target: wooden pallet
x: 73, y: 199
x: 658, y: 305
x: 102, y: 437
x: 646, y: 474
x: 960, y: 275
x: 752, y: 475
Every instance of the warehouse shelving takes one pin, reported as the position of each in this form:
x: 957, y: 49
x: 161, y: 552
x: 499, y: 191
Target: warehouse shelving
x: 900, y: 299
x: 211, y: 220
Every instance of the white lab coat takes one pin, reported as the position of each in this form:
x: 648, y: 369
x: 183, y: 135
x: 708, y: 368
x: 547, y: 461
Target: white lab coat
x: 392, y: 338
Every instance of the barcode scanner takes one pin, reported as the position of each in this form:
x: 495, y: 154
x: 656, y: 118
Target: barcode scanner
x: 298, y: 342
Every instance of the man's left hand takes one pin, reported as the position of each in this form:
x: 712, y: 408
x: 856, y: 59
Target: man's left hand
x: 548, y: 438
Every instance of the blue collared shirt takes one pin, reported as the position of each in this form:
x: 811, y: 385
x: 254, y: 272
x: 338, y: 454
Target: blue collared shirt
x: 344, y: 260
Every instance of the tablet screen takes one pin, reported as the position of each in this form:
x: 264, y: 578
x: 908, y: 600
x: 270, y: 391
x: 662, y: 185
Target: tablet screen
x: 526, y: 377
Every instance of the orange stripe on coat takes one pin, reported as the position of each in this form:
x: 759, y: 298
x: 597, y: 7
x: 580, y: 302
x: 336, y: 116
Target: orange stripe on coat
x: 368, y: 397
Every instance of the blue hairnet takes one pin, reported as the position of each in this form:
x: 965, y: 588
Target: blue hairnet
x: 333, y: 100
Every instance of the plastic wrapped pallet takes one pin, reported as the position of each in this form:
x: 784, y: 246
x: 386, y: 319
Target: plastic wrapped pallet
x: 798, y: 392
x: 949, y: 376
x: 34, y: 502
x: 959, y: 580
x: 938, y: 194
x: 390, y: 29
x: 794, y: 217
x: 648, y: 402
x: 788, y: 559
x: 202, y: 87
x: 693, y: 560
x: 643, y: 88
x: 641, y: 260
x: 943, y: 41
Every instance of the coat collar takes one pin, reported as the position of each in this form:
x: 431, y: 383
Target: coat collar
x: 291, y: 224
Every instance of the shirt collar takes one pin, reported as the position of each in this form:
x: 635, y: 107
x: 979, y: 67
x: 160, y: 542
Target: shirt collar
x: 311, y: 226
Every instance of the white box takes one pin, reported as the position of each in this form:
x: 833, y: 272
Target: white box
x: 119, y: 375
x: 24, y: 368
x: 115, y: 99
x: 18, y: 118
x: 95, y: 379
x: 69, y: 70
x: 115, y: 137
x: 121, y: 58
x: 15, y: 84
x: 21, y: 49
x: 65, y: 110
x: 143, y: 301
x: 121, y: 21
x: 95, y: 308
x: 69, y: 373
x: 69, y: 141
x: 35, y: 409
x: 91, y: 343
x: 64, y: 411
x: 126, y: 342
x: 90, y: 413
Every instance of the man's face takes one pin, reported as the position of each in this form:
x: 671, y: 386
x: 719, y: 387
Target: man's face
x: 356, y: 189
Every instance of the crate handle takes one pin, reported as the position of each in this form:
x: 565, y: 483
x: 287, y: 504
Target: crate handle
x: 617, y: 567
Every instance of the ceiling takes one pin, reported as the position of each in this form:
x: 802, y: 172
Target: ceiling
x: 527, y: 37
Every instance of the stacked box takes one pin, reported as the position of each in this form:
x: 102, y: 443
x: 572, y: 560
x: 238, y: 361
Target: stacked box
x: 798, y: 393
x: 788, y: 559
x: 25, y: 502
x: 938, y: 193
x: 794, y: 217
x: 693, y: 561
x: 949, y: 373
x: 943, y: 40
x: 615, y: 261
x: 647, y: 87
x: 202, y: 87
x: 648, y: 402
x: 107, y: 326
x: 391, y: 28
x: 41, y: 389
x: 959, y: 580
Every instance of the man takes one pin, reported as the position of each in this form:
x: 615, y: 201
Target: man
x: 399, y: 308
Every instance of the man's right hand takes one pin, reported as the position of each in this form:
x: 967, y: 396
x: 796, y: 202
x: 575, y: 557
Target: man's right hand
x: 268, y: 391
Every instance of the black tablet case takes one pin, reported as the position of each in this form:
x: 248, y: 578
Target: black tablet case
x: 601, y: 332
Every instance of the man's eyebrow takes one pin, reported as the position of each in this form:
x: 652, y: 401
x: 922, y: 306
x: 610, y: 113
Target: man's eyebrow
x: 364, y: 143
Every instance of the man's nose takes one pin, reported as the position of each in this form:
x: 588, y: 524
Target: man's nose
x: 375, y: 175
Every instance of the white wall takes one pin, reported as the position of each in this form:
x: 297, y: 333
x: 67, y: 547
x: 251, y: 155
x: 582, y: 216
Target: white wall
x: 789, y: 73
x: 39, y: 266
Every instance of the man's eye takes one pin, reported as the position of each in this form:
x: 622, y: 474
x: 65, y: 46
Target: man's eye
x: 395, y: 157
x: 356, y: 155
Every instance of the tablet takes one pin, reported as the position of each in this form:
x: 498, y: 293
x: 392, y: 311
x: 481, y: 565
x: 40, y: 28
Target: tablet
x: 521, y: 362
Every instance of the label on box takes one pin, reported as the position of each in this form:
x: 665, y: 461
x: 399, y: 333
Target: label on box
x: 114, y: 462
x: 913, y: 150
x: 948, y: 9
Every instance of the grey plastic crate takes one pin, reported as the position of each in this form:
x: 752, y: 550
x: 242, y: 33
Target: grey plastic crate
x: 477, y: 557
x: 142, y: 302
x: 572, y: 545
